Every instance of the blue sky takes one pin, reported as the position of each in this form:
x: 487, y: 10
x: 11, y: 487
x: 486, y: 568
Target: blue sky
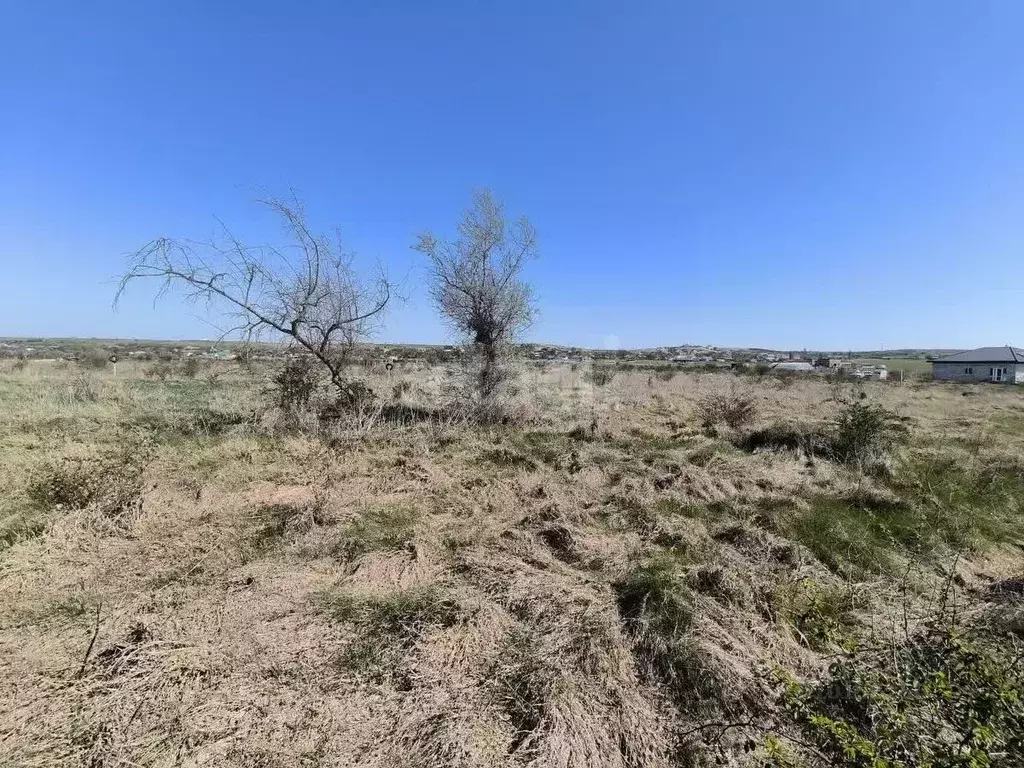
x: 841, y: 174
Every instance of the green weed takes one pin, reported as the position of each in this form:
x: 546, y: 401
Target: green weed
x: 656, y: 609
x: 854, y: 532
x: 274, y: 522
x: 947, y: 696
x: 381, y: 528
x: 821, y: 614
x: 20, y: 522
x: 385, y: 628
x: 507, y: 458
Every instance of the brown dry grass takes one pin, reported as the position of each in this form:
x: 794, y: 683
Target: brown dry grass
x: 444, y: 595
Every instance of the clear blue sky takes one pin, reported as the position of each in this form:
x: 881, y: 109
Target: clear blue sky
x: 822, y: 173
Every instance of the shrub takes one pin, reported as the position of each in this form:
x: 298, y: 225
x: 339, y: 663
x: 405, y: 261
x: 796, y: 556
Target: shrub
x: 508, y: 458
x: 190, y: 366
x: 93, y: 360
x: 599, y: 376
x: 81, y: 388
x: 159, y: 370
x: 357, y: 401
x: 867, y: 433
x: 275, y: 521
x: 785, y: 437
x: 401, y: 389
x: 110, y: 483
x: 734, y: 410
x: 821, y: 614
x: 294, y: 384
x: 754, y: 369
x: 945, y: 696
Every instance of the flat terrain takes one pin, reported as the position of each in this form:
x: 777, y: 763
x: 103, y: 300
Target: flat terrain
x: 906, y: 364
x: 190, y: 576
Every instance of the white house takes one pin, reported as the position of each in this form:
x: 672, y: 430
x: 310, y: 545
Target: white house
x: 1004, y: 365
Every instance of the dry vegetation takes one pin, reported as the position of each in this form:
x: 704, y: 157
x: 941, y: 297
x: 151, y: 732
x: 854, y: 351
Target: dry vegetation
x: 636, y: 570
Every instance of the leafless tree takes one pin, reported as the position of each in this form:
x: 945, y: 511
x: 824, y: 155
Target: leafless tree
x: 476, y: 284
x: 307, y: 292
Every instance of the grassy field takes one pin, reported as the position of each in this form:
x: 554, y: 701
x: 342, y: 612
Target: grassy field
x: 906, y: 364
x: 189, y: 576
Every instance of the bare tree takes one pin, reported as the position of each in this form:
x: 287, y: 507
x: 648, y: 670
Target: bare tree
x: 307, y: 291
x: 476, y: 284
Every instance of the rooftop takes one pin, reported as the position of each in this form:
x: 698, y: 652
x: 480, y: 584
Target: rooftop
x: 986, y: 355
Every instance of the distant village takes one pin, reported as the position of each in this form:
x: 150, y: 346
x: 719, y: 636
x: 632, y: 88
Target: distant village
x: 700, y: 355
x: 721, y: 357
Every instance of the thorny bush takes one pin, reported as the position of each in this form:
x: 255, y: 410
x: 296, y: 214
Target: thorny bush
x: 295, y: 383
x: 734, y: 410
x: 946, y: 696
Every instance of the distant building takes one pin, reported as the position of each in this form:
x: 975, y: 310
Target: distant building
x: 1003, y: 365
x: 872, y: 372
x: 832, y: 363
x: 799, y: 366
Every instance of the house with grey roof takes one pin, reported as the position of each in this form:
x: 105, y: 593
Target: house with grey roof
x: 1004, y: 365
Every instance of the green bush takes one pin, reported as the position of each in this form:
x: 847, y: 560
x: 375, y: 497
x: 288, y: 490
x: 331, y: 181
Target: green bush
x: 866, y: 433
x: 821, y: 614
x: 294, y: 384
x: 786, y: 437
x: 160, y: 371
x: 94, y: 361
x: 945, y: 696
x: 651, y: 599
x: 599, y: 376
x: 190, y: 367
x: 754, y: 369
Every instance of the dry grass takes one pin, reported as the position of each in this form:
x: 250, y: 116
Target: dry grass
x: 588, y: 587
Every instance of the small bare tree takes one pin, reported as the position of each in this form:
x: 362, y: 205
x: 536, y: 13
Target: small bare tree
x: 307, y: 292
x: 476, y: 284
